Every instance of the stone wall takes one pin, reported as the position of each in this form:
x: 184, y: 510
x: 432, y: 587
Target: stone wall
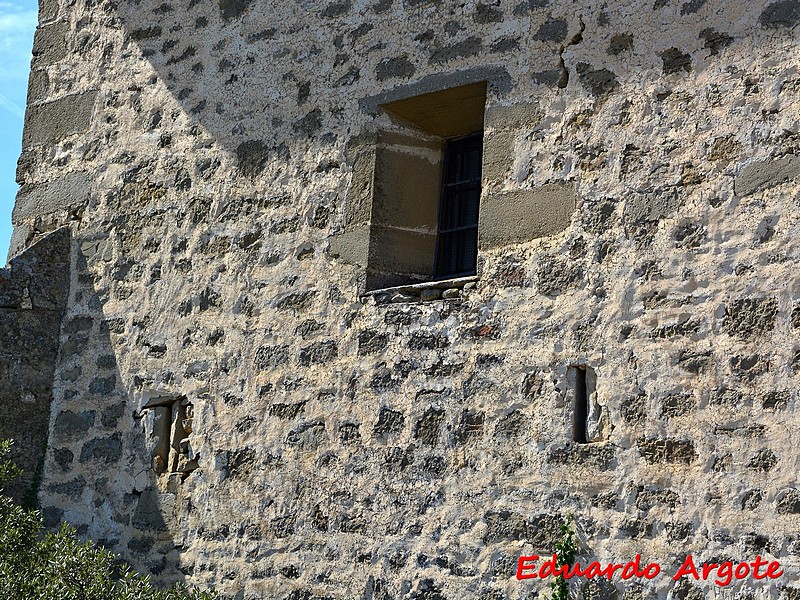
x: 33, y: 296
x: 228, y: 408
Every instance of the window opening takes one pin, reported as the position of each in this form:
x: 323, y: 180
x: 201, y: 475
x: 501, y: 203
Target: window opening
x: 421, y: 184
x: 580, y: 407
x: 457, y: 239
x: 169, y: 424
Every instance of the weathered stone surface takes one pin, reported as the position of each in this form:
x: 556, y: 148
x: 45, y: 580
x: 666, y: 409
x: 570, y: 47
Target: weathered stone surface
x: 48, y: 10
x: 620, y: 43
x: 318, y: 442
x: 676, y: 61
x: 750, y: 317
x: 252, y: 157
x: 426, y: 429
x: 596, y: 456
x: 788, y: 502
x: 149, y: 513
x: 38, y: 86
x: 498, y: 156
x: 108, y: 449
x: 230, y: 9
x: 69, y: 424
x: 308, y: 436
x: 763, y: 461
x: 667, y: 450
x: 651, y: 207
x: 540, y: 531
x: 600, y: 82
x: 558, y: 276
x: 351, y: 247
x: 389, y: 422
x: 394, y: 67
x: 552, y: 31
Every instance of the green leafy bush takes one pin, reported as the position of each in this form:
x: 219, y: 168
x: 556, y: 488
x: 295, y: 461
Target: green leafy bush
x: 565, y: 551
x: 57, y: 566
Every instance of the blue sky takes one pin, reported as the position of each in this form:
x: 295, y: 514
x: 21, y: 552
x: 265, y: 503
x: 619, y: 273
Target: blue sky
x: 17, y: 23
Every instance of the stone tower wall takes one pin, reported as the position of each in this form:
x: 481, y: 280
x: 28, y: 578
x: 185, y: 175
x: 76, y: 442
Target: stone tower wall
x: 230, y: 409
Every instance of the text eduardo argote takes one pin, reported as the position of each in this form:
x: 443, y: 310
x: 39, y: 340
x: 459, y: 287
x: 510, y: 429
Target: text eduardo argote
x: 721, y: 574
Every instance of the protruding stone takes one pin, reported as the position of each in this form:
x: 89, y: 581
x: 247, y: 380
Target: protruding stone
x: 451, y: 293
x: 404, y: 297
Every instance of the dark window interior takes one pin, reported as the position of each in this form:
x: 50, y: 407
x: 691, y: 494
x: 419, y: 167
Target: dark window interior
x: 581, y: 407
x: 457, y: 240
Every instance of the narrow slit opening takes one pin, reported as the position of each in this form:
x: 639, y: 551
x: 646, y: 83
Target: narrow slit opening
x: 580, y: 407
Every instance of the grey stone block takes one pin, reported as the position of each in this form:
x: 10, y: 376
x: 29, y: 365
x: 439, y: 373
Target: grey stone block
x: 517, y: 116
x: 230, y: 9
x: 359, y: 196
x: 150, y: 514
x: 51, y: 122
x: 498, y: 155
x: 48, y: 10
x: 50, y: 43
x: 20, y: 239
x: 108, y: 449
x: 758, y: 176
x: 351, y: 246
x: 38, y: 85
x: 525, y: 215
x: 70, y: 424
x: 37, y: 200
x: 781, y: 14
x: 651, y: 206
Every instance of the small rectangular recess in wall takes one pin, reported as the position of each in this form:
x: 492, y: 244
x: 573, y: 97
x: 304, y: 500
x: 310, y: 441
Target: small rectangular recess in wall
x: 580, y: 405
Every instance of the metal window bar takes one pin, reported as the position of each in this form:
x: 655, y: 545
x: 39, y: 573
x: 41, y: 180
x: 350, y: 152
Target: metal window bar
x: 457, y: 240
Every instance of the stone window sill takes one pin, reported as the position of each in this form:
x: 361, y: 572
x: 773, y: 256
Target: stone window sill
x: 429, y: 291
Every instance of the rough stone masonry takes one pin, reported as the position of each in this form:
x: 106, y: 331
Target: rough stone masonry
x: 232, y: 405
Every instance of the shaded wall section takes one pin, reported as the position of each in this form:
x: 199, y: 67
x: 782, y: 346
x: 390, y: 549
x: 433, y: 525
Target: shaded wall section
x: 33, y: 295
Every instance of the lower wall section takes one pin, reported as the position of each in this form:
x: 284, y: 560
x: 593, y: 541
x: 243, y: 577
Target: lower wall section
x: 33, y: 293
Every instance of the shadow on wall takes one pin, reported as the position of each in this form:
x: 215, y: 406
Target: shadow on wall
x: 257, y: 75
x: 33, y: 297
x: 115, y: 464
x: 268, y: 81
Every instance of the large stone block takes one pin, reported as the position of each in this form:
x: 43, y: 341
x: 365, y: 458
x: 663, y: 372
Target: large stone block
x: 769, y: 173
x: 38, y: 84
x: 50, y: 43
x: 359, y: 197
x: 407, y: 189
x: 497, y: 78
x: 40, y: 199
x: 351, y: 247
x: 498, y: 156
x: 525, y: 115
x: 524, y: 215
x: 51, y: 122
x: 48, y: 10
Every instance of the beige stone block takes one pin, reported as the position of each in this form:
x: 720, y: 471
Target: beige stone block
x: 524, y: 215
